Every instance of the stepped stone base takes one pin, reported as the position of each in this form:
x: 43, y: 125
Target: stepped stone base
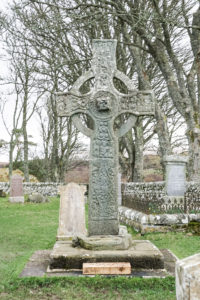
x: 38, y: 266
x: 141, y: 254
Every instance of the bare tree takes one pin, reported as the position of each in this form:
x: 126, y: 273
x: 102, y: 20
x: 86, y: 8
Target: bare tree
x: 149, y: 51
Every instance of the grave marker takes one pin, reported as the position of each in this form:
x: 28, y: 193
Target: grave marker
x: 104, y: 103
x: 72, y: 212
x: 16, y: 189
x: 188, y: 278
x: 175, y: 174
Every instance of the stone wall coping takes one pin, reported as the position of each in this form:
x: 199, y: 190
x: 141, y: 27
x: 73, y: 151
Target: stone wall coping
x: 40, y: 183
x: 157, y: 219
x: 144, y: 183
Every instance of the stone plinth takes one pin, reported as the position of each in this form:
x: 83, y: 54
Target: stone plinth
x: 16, y: 189
x: 141, y: 254
x: 188, y: 278
x: 175, y: 174
x: 72, y: 212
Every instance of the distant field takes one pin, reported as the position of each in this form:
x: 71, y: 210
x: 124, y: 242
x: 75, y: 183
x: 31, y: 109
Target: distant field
x: 30, y: 227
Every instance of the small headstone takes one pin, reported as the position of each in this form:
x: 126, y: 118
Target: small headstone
x: 72, y: 212
x: 188, y: 278
x: 108, y: 268
x: 175, y: 176
x: 16, y: 189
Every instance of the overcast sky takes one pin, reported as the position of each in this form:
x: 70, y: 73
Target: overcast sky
x: 33, y: 128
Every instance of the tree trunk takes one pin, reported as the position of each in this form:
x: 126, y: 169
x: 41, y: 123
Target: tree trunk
x: 54, y: 152
x: 194, y: 154
x: 25, y: 136
x: 11, y: 149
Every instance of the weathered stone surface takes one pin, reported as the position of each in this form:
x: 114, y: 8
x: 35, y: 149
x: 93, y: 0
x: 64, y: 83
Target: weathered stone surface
x: 170, y: 260
x: 37, y: 266
x: 153, y: 223
x: 37, y: 198
x: 72, y: 212
x: 188, y: 278
x: 103, y: 104
x: 16, y: 189
x: 175, y: 174
x: 157, y: 222
x: 119, y: 189
x: 106, y: 268
x: 142, y: 254
x: 123, y: 230
x: 104, y: 242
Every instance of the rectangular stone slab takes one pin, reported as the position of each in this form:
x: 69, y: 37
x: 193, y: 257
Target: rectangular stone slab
x: 106, y: 268
x: 72, y: 212
x: 142, y: 254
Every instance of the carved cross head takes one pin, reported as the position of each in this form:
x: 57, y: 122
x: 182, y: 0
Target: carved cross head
x: 104, y: 101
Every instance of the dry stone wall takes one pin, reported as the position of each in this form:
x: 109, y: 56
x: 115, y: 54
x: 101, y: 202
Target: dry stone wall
x: 44, y: 188
x: 5, y: 187
x: 152, y: 198
x: 144, y: 197
x: 147, y: 208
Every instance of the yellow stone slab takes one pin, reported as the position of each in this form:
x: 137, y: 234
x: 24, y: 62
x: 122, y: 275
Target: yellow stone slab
x: 108, y: 268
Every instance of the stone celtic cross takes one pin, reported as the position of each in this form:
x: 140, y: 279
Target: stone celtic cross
x: 104, y: 103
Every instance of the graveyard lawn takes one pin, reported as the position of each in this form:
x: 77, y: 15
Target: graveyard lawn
x: 25, y: 228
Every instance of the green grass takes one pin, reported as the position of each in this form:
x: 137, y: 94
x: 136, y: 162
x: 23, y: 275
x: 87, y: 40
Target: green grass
x: 181, y: 244
x: 91, y: 288
x: 30, y: 227
x: 24, y: 229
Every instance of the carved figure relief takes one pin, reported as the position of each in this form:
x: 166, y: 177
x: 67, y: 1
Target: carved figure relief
x: 103, y: 194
